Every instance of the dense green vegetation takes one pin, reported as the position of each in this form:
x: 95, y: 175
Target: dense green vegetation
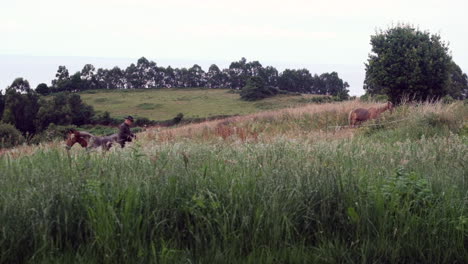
x: 396, y: 192
x: 408, y: 63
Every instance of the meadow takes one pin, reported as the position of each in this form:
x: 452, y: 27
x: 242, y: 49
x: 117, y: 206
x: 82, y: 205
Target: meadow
x: 164, y: 104
x: 280, y: 186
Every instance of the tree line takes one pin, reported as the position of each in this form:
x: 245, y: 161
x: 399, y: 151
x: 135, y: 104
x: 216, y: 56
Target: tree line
x: 147, y: 74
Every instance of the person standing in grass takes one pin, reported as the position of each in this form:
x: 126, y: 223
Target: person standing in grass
x: 125, y: 135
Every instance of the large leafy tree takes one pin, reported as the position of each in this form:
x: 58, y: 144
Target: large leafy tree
x: 300, y: 81
x: 63, y: 109
x: 196, y: 76
x: 407, y: 62
x: 458, y: 82
x: 21, y: 106
x: 62, y: 79
x: 331, y: 84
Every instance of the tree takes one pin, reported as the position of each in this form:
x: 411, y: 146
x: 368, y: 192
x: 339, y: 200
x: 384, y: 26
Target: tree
x: 2, y: 104
x: 255, y: 89
x: 300, y: 81
x: 21, y: 106
x: 458, y: 82
x: 196, y: 76
x: 20, y: 85
x: 80, y: 113
x: 88, y: 77
x: 169, y: 79
x: 331, y: 84
x: 270, y: 75
x: 63, y: 109
x: 238, y: 74
x: 62, y: 77
x: 407, y: 62
x: 42, y: 89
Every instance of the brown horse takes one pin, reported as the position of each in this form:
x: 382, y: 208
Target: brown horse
x: 87, y: 140
x: 357, y: 116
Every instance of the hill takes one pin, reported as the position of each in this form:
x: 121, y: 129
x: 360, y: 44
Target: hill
x: 163, y: 104
x: 281, y: 186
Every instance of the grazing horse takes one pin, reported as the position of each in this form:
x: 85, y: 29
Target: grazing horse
x: 357, y: 116
x: 87, y: 140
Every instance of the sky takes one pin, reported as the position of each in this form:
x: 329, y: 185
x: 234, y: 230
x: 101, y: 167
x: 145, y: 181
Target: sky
x: 322, y: 36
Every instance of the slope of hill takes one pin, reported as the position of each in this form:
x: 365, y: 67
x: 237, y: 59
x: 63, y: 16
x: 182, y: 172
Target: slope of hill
x: 163, y: 104
x: 284, y: 186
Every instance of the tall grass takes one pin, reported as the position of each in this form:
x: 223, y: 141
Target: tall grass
x: 276, y: 199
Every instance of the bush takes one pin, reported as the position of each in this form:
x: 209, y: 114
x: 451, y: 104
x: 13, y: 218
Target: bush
x: 256, y: 90
x: 447, y: 99
x: 106, y: 119
x: 52, y: 132
x: 178, y: 118
x: 10, y: 136
x: 143, y: 121
x: 374, y: 98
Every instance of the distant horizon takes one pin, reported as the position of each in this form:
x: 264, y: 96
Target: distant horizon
x: 321, y: 36
x: 42, y: 69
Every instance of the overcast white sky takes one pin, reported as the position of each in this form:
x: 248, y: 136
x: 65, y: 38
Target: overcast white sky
x: 40, y: 35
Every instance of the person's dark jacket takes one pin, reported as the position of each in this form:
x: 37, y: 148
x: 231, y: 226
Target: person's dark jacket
x: 125, y: 135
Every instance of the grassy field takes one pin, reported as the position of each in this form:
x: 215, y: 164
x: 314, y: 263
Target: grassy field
x: 285, y: 186
x: 164, y: 104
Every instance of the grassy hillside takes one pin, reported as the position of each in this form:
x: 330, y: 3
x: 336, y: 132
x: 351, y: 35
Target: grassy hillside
x: 163, y: 104
x: 285, y: 186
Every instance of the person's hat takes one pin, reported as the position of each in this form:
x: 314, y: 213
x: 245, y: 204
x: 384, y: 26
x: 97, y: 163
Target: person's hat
x: 129, y: 118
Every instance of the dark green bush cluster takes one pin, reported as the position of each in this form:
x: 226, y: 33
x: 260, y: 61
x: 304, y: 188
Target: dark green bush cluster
x: 321, y: 99
x: 374, y: 98
x: 10, y: 136
x: 257, y: 90
x: 52, y: 132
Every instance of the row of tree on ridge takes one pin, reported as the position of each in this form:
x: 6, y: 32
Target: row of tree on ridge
x: 147, y: 74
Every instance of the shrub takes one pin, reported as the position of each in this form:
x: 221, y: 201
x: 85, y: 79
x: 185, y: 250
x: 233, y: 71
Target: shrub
x: 256, y: 90
x: 106, y: 119
x: 143, y: 121
x: 10, y: 136
x: 178, y: 118
x: 52, y: 132
x: 374, y: 98
x: 447, y: 99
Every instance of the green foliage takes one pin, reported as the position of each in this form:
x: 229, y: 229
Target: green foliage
x: 53, y: 132
x: 64, y: 109
x: 2, y: 104
x: 178, y: 118
x: 406, y: 62
x: 339, y: 201
x: 447, y: 99
x: 256, y: 89
x: 321, y: 99
x: 42, y: 89
x: 21, y: 105
x: 148, y: 106
x: 374, y: 98
x: 106, y: 119
x: 458, y: 82
x: 10, y: 136
x: 403, y: 125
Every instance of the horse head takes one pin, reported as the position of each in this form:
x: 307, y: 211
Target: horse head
x: 75, y: 136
